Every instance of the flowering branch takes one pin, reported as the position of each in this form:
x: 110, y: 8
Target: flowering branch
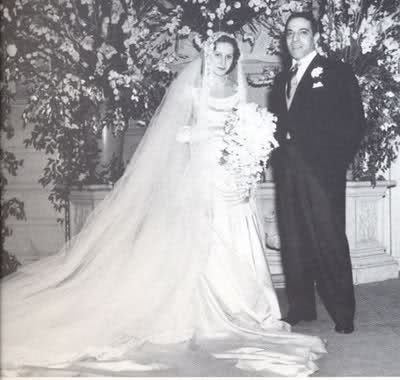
x: 87, y: 65
x: 366, y: 34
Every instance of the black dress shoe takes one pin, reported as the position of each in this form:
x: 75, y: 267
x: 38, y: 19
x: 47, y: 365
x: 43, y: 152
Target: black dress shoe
x: 294, y: 320
x: 344, y: 329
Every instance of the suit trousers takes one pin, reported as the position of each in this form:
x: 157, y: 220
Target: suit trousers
x: 314, y: 246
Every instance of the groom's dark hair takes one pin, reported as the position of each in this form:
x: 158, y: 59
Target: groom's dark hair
x: 305, y: 15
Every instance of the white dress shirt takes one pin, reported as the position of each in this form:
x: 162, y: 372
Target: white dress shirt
x: 303, y: 64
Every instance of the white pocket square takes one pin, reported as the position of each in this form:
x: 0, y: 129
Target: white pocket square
x: 317, y: 84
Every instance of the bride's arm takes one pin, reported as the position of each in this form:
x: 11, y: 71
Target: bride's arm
x: 184, y: 134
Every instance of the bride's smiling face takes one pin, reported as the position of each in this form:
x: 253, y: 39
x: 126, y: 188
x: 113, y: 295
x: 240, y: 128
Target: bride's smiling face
x: 222, y: 58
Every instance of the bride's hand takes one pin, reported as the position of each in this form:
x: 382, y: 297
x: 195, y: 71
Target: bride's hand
x: 187, y: 135
x: 184, y: 135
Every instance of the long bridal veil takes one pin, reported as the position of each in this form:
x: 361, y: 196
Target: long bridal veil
x: 132, y: 267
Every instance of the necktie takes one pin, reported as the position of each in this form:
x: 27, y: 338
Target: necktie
x: 292, y: 81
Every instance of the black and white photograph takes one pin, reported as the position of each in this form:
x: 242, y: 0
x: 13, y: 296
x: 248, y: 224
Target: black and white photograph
x: 200, y: 188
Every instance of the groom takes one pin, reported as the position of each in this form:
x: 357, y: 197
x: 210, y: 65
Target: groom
x: 320, y: 126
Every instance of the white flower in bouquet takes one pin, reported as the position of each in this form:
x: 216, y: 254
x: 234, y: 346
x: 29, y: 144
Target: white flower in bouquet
x: 248, y: 143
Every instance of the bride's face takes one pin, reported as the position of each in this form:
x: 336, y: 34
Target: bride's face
x: 222, y: 58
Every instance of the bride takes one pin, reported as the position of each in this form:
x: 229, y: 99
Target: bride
x: 169, y: 271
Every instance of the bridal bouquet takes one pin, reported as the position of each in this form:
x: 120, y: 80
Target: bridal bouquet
x: 248, y: 143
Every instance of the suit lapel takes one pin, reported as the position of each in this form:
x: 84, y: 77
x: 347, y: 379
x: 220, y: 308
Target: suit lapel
x: 279, y: 97
x: 282, y: 92
x: 305, y: 83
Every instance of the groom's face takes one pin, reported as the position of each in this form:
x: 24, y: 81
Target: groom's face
x: 300, y: 38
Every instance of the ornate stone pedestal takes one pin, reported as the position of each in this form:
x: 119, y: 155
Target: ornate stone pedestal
x: 368, y: 231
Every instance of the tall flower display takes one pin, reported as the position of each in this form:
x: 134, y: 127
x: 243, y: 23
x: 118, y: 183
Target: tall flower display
x: 87, y: 65
x: 366, y: 35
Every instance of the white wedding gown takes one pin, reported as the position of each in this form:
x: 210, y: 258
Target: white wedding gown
x: 185, y: 287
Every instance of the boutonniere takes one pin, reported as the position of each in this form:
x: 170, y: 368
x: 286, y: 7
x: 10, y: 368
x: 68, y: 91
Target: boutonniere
x: 316, y: 75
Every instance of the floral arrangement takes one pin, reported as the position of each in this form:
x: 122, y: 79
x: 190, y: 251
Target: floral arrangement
x: 206, y: 17
x: 366, y: 35
x: 86, y: 65
x: 248, y: 143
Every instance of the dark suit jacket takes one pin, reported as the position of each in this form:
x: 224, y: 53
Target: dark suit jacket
x: 326, y: 122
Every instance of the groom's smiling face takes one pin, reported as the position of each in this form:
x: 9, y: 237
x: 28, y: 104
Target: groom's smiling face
x: 300, y: 38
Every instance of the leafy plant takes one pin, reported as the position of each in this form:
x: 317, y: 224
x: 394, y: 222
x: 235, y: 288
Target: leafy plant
x: 87, y: 65
x: 9, y: 163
